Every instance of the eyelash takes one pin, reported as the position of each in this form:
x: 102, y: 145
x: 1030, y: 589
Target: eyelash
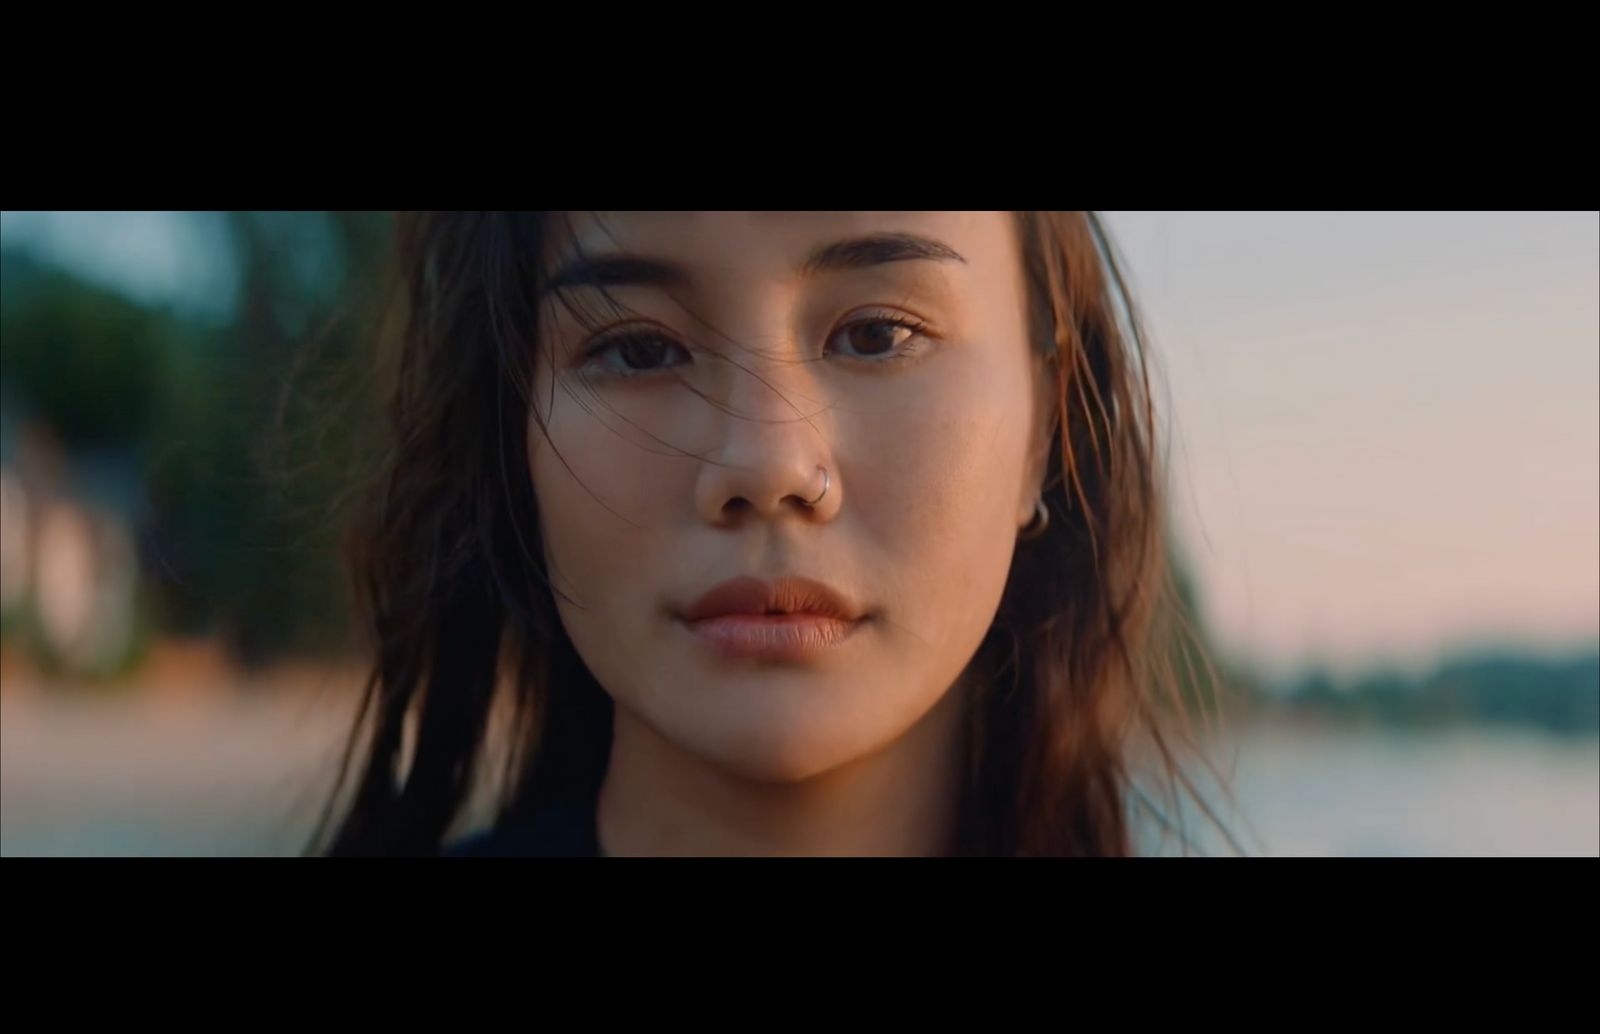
x: 912, y: 349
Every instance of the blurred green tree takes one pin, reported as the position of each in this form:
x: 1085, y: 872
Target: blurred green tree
x: 272, y: 424
x: 244, y: 436
x: 85, y: 360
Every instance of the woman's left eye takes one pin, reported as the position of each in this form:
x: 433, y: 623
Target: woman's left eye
x: 880, y: 337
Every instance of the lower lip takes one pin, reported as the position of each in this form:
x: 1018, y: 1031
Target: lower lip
x: 776, y: 637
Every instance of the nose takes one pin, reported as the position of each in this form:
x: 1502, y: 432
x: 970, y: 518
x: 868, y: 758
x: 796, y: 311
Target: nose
x: 772, y: 450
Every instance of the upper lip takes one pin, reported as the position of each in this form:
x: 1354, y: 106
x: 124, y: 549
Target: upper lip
x: 786, y: 596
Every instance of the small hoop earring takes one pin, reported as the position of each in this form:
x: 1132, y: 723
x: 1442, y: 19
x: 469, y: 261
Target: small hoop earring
x: 1041, y: 520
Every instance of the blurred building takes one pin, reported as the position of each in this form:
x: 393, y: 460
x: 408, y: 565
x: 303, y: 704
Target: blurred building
x: 69, y: 570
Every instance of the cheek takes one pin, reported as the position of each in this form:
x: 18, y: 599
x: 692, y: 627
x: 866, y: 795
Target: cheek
x: 597, y: 490
x: 593, y: 493
x: 940, y: 505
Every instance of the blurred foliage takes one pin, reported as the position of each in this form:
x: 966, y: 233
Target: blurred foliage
x: 271, y: 429
x: 244, y: 436
x: 1554, y: 695
x: 89, y: 360
x: 1209, y: 683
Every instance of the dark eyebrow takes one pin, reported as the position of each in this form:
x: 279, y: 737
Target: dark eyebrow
x: 616, y: 271
x: 877, y: 249
x: 622, y: 270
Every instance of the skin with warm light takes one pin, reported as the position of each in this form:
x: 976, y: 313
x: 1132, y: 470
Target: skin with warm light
x: 698, y: 369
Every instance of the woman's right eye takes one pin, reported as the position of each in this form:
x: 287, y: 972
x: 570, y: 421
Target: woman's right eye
x: 630, y: 354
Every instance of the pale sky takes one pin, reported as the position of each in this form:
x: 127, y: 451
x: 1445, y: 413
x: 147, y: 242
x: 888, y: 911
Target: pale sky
x: 1386, y: 425
x: 153, y: 256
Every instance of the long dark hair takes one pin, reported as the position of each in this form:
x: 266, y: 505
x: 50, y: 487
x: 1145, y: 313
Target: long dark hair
x: 1080, y: 668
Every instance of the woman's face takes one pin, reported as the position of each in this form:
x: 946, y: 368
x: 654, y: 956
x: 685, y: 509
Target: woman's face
x: 695, y: 371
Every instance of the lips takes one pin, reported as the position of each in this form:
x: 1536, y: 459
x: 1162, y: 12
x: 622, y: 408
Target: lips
x: 752, y: 596
x: 793, y: 620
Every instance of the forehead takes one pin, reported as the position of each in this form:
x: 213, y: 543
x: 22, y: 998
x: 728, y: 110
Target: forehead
x: 754, y: 239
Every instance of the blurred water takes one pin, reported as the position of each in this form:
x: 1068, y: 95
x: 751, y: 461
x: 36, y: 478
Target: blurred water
x: 242, y: 774
x: 1475, y: 791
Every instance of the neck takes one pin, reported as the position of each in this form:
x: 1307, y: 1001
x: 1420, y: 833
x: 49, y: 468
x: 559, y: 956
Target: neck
x: 903, y: 800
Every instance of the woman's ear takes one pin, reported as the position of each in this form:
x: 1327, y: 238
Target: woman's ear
x: 1042, y: 432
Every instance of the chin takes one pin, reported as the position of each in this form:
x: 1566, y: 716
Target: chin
x: 780, y: 756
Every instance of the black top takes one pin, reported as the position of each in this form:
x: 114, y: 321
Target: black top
x: 558, y: 829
